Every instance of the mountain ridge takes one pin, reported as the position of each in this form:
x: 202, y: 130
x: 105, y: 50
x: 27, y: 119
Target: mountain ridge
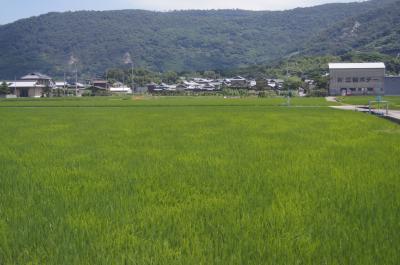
x: 376, y: 30
x: 177, y: 40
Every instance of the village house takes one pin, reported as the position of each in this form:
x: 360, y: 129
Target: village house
x: 269, y: 84
x: 275, y: 83
x: 239, y: 82
x: 100, y: 84
x: 208, y: 87
x: 32, y: 85
x: 261, y: 83
x: 151, y: 87
x: 192, y: 85
x: 61, y: 85
x: 181, y: 87
x: 120, y: 88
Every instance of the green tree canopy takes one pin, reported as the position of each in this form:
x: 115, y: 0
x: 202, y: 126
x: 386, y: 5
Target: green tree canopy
x: 4, y: 89
x: 292, y: 83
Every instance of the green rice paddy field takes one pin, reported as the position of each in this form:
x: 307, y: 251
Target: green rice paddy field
x: 197, y: 181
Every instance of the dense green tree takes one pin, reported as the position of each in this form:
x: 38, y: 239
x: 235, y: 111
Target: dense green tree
x: 170, y: 77
x: 321, y: 82
x: 47, y: 91
x: 4, y: 89
x: 210, y: 74
x: 292, y: 83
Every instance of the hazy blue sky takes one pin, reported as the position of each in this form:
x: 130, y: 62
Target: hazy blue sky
x: 12, y: 10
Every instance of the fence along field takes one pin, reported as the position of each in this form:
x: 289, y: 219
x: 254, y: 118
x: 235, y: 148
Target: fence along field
x: 200, y: 184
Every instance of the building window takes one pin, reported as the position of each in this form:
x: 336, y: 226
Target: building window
x: 362, y: 79
x: 370, y: 89
x: 348, y: 79
x: 340, y: 80
x: 352, y: 89
x: 355, y: 79
x: 368, y: 79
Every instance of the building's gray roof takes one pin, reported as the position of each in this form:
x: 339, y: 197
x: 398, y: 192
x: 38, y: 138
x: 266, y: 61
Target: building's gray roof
x: 357, y: 65
x: 23, y: 84
x: 238, y: 78
x: 35, y: 76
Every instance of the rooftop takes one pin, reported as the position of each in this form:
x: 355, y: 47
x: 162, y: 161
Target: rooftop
x: 356, y: 66
x: 23, y: 84
x: 35, y: 76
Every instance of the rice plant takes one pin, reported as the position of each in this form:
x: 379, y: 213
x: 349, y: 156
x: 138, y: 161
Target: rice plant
x: 197, y: 182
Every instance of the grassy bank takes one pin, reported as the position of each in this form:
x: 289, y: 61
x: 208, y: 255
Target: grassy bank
x: 132, y: 101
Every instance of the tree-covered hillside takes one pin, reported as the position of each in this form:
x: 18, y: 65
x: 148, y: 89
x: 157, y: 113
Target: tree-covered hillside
x: 377, y: 30
x: 180, y: 40
x: 314, y: 66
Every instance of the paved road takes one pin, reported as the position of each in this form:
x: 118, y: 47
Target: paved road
x: 392, y: 114
x: 331, y: 99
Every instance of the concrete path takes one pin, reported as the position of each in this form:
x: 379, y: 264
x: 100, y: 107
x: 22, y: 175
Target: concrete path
x: 331, y: 99
x: 393, y: 115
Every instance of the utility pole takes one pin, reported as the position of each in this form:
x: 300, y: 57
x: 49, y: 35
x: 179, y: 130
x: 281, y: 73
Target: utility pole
x: 64, y: 85
x: 133, y: 85
x: 107, y: 79
x: 128, y: 60
x: 74, y: 62
x: 76, y: 79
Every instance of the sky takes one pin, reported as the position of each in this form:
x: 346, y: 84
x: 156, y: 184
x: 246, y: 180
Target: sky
x: 16, y: 9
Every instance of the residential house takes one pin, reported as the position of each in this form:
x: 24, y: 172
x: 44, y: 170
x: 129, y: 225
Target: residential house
x: 151, y: 87
x: 120, y: 88
x: 261, y: 83
x: 100, y: 84
x: 61, y: 85
x: 32, y: 85
x: 239, y: 82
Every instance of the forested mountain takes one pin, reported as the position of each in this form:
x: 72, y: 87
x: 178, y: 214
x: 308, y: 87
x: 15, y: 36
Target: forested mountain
x: 179, y: 40
x: 377, y: 30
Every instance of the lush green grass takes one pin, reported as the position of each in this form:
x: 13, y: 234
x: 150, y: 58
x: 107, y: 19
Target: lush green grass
x: 394, y: 101
x: 198, y: 185
x: 159, y: 101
